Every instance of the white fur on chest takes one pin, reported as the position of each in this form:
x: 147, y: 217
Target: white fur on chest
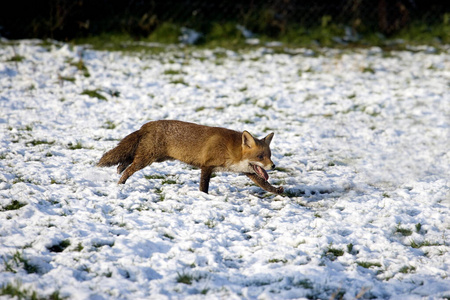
x: 241, y: 167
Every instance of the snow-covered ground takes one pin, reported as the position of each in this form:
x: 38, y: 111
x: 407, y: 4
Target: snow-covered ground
x: 362, y: 141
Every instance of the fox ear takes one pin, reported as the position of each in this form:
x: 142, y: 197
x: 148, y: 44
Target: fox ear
x: 248, y: 140
x: 268, y: 139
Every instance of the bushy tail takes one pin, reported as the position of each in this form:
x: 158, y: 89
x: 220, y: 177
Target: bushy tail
x: 123, y: 153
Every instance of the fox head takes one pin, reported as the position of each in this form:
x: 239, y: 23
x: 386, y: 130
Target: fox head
x: 256, y: 154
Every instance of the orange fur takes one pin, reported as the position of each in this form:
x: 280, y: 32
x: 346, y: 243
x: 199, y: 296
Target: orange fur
x: 208, y: 148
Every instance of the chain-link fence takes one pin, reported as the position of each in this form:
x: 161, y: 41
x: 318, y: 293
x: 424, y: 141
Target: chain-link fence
x: 67, y: 19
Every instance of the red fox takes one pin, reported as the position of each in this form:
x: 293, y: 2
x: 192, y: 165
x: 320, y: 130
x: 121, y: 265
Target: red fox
x: 208, y: 148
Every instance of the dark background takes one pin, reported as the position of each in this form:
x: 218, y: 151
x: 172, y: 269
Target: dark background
x: 65, y: 20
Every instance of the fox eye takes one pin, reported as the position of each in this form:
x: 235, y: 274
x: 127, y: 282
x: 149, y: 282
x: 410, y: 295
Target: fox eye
x: 261, y: 156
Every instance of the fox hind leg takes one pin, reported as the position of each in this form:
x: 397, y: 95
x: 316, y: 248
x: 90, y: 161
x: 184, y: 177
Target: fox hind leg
x: 138, y: 163
x: 123, y: 165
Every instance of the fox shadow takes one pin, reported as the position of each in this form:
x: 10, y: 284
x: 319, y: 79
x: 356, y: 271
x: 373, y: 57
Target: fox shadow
x: 313, y: 193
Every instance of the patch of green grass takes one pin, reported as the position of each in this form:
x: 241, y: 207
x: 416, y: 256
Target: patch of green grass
x: 403, y: 231
x: 350, y: 248
x: 16, y: 58
x: 276, y: 260
x: 226, y: 35
x: 8, y: 267
x: 281, y: 169
x: 424, y: 243
x: 210, y: 223
x: 60, y: 247
x: 102, y: 243
x: 166, y: 33
x: 407, y: 269
x: 47, y: 44
x: 224, y: 31
x: 86, y: 269
x: 368, y: 69
x: 265, y: 107
x: 159, y: 192
x: 66, y: 78
x: 54, y: 181
x: 162, y: 196
x: 204, y: 291
x: 79, y: 247
x: 184, y: 278
x: 418, y: 227
x: 39, y: 142
x: 333, y: 253
x: 155, y: 176
x: 94, y: 94
x: 109, y: 125
x: 247, y: 121
x: 310, y: 97
x: 188, y: 278
x: 368, y: 265
x: 27, y: 128
x: 419, y: 33
x: 81, y: 66
x: 304, y: 283
x: 14, y: 205
x: 173, y: 72
x: 24, y: 180
x: 19, y: 260
x: 76, y: 146
x: 179, y: 81
x: 168, y: 181
x: 168, y: 235
x: 16, y: 291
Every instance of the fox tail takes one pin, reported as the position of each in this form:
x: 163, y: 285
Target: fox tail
x: 123, y: 153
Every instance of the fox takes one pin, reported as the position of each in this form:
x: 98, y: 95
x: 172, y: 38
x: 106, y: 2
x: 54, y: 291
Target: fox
x: 211, y: 149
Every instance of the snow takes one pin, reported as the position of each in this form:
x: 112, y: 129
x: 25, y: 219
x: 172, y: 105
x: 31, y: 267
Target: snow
x: 362, y: 139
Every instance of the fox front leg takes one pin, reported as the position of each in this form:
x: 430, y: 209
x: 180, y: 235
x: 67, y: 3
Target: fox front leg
x: 204, y: 179
x: 264, y: 184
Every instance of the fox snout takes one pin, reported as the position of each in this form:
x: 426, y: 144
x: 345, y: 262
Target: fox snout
x: 269, y: 165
